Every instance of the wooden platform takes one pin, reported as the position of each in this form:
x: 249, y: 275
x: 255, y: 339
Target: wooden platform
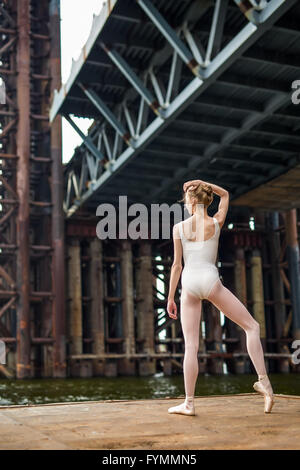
x: 221, y: 422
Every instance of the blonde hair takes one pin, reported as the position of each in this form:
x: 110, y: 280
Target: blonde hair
x: 203, y: 194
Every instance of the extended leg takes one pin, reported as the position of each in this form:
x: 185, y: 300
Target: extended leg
x: 190, y: 315
x: 234, y: 309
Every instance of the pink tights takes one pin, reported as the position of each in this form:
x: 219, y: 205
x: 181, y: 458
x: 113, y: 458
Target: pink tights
x: 232, y: 307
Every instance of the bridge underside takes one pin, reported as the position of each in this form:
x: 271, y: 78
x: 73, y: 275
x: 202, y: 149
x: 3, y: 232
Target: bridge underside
x: 181, y: 90
x: 205, y: 92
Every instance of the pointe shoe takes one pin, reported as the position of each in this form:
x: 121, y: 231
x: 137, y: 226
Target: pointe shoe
x: 182, y: 410
x: 265, y: 389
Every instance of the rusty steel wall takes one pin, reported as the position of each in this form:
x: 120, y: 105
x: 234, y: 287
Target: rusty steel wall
x: 32, y: 238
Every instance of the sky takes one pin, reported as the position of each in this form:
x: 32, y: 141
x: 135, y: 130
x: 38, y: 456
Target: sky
x: 76, y: 23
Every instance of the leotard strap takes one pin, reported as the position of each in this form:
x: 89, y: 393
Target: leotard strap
x: 217, y: 225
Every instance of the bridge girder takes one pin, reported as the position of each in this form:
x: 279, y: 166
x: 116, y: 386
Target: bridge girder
x: 161, y: 90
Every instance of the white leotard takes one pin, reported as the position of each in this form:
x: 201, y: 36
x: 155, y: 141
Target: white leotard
x: 200, y: 272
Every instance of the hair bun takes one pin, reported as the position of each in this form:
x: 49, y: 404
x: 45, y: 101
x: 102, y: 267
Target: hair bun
x: 201, y: 192
x: 207, y: 189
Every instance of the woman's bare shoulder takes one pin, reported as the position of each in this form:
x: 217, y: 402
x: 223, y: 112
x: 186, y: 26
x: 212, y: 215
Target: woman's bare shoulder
x: 219, y: 219
x: 176, y: 226
x: 176, y: 230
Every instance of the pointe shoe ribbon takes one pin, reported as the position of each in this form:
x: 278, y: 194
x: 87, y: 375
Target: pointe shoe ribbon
x: 268, y: 397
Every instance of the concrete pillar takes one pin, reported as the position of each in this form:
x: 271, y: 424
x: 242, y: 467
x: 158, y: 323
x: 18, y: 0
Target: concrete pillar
x: 74, y: 297
x: 294, y: 270
x: 240, y: 287
x: 258, y: 293
x: 167, y: 366
x: 278, y: 290
x: 96, y: 305
x: 127, y: 365
x: 215, y: 365
x: 145, y: 308
x: 111, y: 368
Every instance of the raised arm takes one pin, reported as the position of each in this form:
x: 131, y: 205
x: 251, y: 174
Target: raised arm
x: 224, y: 198
x: 176, y: 269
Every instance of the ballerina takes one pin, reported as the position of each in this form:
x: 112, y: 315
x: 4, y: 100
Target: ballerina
x: 200, y: 280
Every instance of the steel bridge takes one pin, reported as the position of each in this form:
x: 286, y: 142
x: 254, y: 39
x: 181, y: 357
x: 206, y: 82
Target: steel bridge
x: 177, y: 89
x: 184, y: 88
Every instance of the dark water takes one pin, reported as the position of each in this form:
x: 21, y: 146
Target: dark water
x: 38, y: 391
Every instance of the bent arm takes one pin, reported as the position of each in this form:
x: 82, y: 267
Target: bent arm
x: 176, y: 267
x: 221, y: 192
x: 216, y: 189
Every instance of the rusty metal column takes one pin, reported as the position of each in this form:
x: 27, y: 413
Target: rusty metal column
x: 96, y: 305
x: 294, y: 271
x: 145, y: 310
x: 240, y: 285
x: 75, y: 297
x: 58, y: 255
x: 278, y: 290
x: 127, y: 365
x: 258, y: 293
x: 23, y: 368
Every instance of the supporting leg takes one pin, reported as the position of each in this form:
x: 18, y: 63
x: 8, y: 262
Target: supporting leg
x: 190, y: 315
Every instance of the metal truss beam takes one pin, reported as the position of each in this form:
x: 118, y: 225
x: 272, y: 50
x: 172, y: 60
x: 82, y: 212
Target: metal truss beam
x: 176, y: 153
x: 274, y: 103
x: 221, y: 62
x: 106, y: 112
x: 189, y: 138
x: 132, y: 77
x: 170, y: 35
x: 97, y: 26
x: 86, y: 139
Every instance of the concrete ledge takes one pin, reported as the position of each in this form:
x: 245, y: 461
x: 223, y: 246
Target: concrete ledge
x: 221, y: 422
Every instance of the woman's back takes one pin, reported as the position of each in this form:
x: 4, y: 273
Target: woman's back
x: 199, y: 250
